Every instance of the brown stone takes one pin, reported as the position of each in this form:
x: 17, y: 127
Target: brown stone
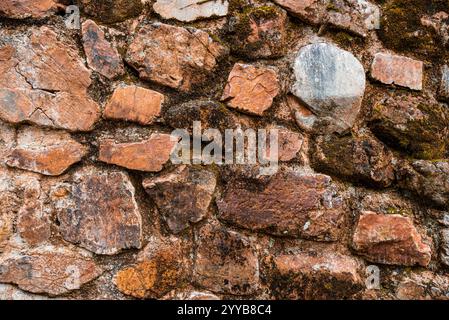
x: 305, y: 119
x: 288, y: 204
x: 444, y: 254
x: 399, y: 70
x: 97, y: 210
x: 289, y: 144
x: 33, y: 223
x: 250, y: 88
x: 313, y: 273
x: 46, y: 152
x: 182, y: 196
x: 259, y: 32
x: 111, y: 11
x: 101, y: 55
x: 133, y: 103
x: 225, y: 261
x: 173, y: 56
x: 360, y: 158
x: 148, y: 155
x: 308, y: 10
x: 10, y: 292
x: 161, y: 267
x: 390, y: 239
x: 9, y: 206
x: 22, y: 9
x: 44, y: 81
x: 49, y: 269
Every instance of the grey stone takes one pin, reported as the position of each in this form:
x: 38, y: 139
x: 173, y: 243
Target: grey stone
x: 444, y: 84
x: 331, y: 82
x: 444, y: 256
x: 190, y: 10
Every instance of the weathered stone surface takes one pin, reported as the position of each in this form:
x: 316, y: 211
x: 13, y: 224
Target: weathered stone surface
x: 191, y: 295
x: 101, y: 55
x: 250, y: 88
x: 33, y: 223
x: 148, y: 155
x: 133, y: 103
x: 315, y: 273
x: 7, y: 141
x: 289, y: 144
x: 356, y: 16
x: 423, y: 285
x: 22, y: 9
x: 191, y: 10
x: 427, y: 179
x: 399, y: 70
x: 46, y: 152
x: 161, y: 267
x: 111, y: 11
x: 9, y: 203
x: 444, y: 254
x: 10, y: 292
x: 49, y: 269
x: 225, y: 261
x: 415, y: 125
x: 288, y: 204
x: 44, y: 81
x: 305, y: 119
x: 359, y: 158
x: 173, y: 56
x: 390, y: 239
x: 331, y: 82
x: 182, y: 196
x: 259, y: 32
x: 444, y: 82
x: 97, y: 210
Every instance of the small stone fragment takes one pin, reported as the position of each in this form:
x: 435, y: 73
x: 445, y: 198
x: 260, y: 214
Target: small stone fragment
x: 49, y: 269
x: 45, y: 152
x: 444, y: 255
x: 174, y: 56
x: 225, y: 262
x: 133, y: 103
x: 251, y: 89
x: 148, y: 155
x: 331, y: 82
x: 444, y: 83
x: 288, y: 204
x: 399, y: 70
x: 315, y: 273
x: 23, y: 9
x: 98, y: 211
x: 191, y: 10
x: 182, y: 196
x: 101, y: 55
x: 390, y: 239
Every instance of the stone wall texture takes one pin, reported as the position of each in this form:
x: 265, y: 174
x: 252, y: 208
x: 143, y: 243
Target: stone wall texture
x: 91, y: 207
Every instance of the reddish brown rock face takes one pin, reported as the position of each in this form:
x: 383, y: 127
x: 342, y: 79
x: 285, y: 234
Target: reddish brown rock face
x: 390, y: 239
x: 133, y: 103
x: 225, y: 261
x: 399, y: 70
x: 182, y: 196
x: 173, y: 56
x: 10, y: 202
x: 315, y: 273
x: 46, y: 152
x: 289, y: 144
x: 148, y: 155
x: 250, y: 88
x: 161, y: 267
x: 260, y: 32
x: 97, y: 211
x: 52, y: 270
x: 289, y: 204
x: 22, y: 9
x: 44, y: 82
x: 101, y: 55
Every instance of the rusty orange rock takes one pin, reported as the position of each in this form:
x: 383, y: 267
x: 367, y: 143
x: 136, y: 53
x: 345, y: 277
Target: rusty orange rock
x: 148, y: 155
x: 22, y: 9
x: 49, y: 269
x: 133, y: 103
x: 101, y: 55
x: 399, y: 70
x: 251, y: 89
x: 173, y: 56
x: 44, y: 82
x: 390, y: 239
x: 46, y: 152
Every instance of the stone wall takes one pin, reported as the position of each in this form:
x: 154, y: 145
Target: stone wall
x: 91, y: 207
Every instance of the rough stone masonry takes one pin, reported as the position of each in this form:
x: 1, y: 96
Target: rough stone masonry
x: 91, y: 206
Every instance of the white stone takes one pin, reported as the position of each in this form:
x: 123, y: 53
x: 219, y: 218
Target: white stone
x: 331, y: 82
x: 190, y: 10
